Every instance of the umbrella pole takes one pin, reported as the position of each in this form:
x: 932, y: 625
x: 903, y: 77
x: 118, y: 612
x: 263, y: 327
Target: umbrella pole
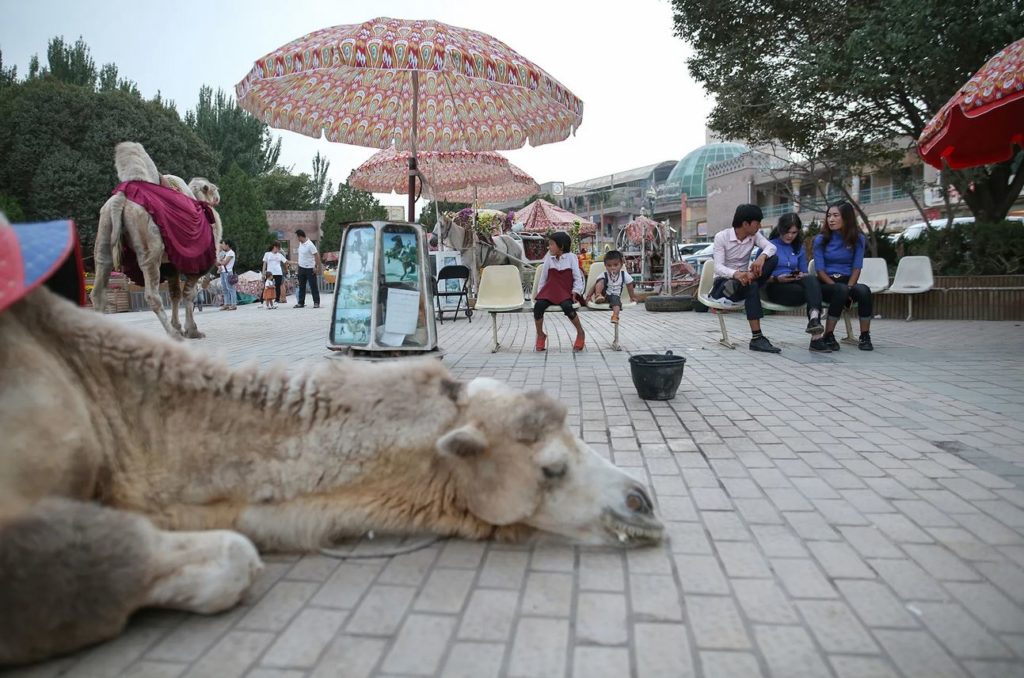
x: 412, y: 158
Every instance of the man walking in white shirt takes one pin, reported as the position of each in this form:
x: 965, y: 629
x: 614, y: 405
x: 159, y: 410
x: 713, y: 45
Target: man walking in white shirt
x: 739, y: 280
x: 309, y: 269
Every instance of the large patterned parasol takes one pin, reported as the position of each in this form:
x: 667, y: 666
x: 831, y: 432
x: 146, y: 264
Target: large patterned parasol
x: 415, y: 85
x: 984, y: 120
x: 518, y: 185
x: 540, y: 216
x: 445, y: 174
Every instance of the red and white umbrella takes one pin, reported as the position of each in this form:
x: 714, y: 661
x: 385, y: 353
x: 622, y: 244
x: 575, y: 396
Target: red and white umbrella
x: 414, y: 85
x: 516, y: 186
x: 983, y: 122
x: 447, y: 175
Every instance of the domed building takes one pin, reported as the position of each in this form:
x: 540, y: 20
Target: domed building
x: 689, y: 176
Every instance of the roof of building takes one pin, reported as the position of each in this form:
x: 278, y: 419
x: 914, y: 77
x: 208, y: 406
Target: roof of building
x: 690, y: 174
x: 619, y: 178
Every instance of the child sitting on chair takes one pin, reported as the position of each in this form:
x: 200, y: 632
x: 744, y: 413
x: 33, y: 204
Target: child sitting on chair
x: 560, y: 280
x: 608, y: 288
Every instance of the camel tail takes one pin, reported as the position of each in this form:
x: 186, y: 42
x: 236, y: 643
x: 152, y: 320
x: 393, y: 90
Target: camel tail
x: 134, y: 164
x: 117, y: 203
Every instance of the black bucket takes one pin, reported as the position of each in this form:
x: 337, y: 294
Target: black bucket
x: 657, y: 376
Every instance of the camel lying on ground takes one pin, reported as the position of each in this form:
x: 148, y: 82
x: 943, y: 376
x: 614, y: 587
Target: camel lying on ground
x: 137, y: 472
x: 119, y: 214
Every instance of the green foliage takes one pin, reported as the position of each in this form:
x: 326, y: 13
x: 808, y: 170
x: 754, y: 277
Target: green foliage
x: 348, y: 205
x: 846, y: 81
x: 10, y: 207
x: 973, y: 249
x: 57, y: 141
x: 244, y: 219
x: 540, y: 196
x: 233, y: 133
x: 8, y: 76
x: 281, y: 190
x: 428, y: 215
x: 72, y: 64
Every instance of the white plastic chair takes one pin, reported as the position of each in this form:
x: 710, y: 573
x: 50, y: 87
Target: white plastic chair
x: 707, y: 281
x: 501, y: 291
x: 875, y: 274
x: 913, y: 276
x: 596, y: 271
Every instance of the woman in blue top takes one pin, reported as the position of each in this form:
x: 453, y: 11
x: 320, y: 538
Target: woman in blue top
x: 789, y: 284
x: 838, y: 259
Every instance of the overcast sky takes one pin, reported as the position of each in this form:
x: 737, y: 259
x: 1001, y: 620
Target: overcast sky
x: 640, y: 105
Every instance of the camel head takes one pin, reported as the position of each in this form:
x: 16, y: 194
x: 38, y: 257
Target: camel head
x: 515, y: 461
x: 205, y: 191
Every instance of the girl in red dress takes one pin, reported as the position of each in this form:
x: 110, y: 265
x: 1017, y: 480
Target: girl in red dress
x: 560, y: 280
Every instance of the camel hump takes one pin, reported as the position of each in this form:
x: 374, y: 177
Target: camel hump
x: 134, y: 164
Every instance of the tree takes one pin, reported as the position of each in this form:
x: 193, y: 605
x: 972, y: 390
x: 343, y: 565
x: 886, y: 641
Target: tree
x: 281, y: 190
x: 72, y: 64
x: 245, y: 222
x: 323, y: 191
x: 235, y: 134
x: 428, y: 215
x: 849, y: 80
x: 348, y: 205
x: 8, y: 76
x: 57, y: 141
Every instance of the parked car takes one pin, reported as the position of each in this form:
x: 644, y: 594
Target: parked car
x: 698, y: 258
x: 689, y: 248
x: 915, y: 231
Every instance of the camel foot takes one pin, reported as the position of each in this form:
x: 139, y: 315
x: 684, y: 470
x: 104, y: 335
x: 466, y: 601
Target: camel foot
x: 219, y: 567
x: 194, y: 333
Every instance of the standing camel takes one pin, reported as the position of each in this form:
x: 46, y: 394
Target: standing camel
x: 120, y: 214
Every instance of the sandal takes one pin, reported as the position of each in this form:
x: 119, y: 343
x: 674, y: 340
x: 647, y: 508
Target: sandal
x: 541, y: 342
x: 579, y: 344
x: 615, y: 318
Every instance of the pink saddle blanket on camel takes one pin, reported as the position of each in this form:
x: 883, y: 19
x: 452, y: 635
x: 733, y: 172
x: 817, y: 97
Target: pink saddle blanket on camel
x: 185, y: 226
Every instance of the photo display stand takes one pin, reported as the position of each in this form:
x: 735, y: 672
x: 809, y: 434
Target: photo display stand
x: 383, y: 299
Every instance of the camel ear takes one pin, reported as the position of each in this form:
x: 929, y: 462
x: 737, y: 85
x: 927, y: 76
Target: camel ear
x: 466, y: 441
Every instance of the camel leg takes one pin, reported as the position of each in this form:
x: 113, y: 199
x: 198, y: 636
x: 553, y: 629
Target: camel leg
x: 188, y: 293
x: 103, y: 259
x: 72, y: 573
x: 174, y: 292
x: 151, y: 272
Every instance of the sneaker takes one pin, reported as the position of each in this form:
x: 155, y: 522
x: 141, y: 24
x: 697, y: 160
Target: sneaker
x: 819, y: 346
x: 830, y: 341
x: 316, y: 305
x: 763, y: 345
x: 814, y: 326
x: 299, y: 306
x: 726, y: 301
x: 865, y: 342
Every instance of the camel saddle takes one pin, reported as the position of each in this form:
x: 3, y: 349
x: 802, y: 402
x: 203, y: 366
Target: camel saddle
x: 185, y: 226
x: 34, y: 254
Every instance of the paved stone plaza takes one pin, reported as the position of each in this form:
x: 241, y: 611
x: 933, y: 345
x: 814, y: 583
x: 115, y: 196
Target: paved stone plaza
x: 852, y: 515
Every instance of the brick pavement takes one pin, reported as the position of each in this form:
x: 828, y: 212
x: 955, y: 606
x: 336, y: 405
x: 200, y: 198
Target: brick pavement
x: 869, y: 523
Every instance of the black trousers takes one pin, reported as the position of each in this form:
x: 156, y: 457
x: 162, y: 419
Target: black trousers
x: 750, y: 294
x: 308, y: 275
x: 807, y: 290
x: 541, y: 305
x: 839, y: 292
x: 278, y: 283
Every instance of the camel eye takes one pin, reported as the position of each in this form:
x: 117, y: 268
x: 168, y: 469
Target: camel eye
x: 554, y: 471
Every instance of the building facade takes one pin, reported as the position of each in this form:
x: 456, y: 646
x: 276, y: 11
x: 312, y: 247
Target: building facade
x: 284, y: 223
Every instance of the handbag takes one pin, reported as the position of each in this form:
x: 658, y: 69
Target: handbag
x: 232, y: 279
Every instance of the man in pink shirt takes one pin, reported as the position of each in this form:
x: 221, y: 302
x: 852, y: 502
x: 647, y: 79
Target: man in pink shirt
x: 738, y: 280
